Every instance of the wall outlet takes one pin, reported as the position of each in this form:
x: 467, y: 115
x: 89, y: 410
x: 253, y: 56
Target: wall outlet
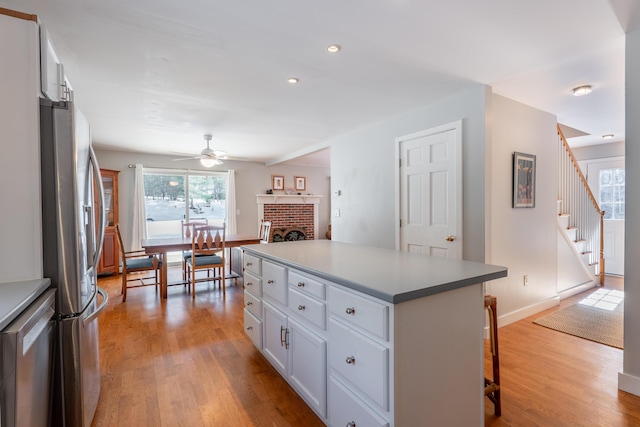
x: 525, y: 280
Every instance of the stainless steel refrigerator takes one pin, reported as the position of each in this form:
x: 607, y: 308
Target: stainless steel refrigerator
x: 72, y: 234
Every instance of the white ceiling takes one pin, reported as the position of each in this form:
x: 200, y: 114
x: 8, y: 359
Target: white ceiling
x: 155, y: 75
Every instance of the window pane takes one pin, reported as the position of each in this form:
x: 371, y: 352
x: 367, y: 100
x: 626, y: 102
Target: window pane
x: 607, y: 208
x: 619, y: 176
x: 605, y: 177
x: 619, y: 211
x: 606, y: 194
x: 207, y: 198
x: 164, y: 203
x: 618, y: 194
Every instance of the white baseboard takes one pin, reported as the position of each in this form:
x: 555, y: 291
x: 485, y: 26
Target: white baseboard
x: 629, y: 383
x: 577, y: 289
x: 520, y: 314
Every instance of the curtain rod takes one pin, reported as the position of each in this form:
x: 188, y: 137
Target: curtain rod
x: 132, y: 166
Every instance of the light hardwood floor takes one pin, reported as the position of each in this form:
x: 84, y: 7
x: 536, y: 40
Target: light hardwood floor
x: 187, y: 362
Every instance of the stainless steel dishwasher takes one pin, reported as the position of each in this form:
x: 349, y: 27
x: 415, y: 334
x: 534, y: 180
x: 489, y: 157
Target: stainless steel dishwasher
x: 26, y: 350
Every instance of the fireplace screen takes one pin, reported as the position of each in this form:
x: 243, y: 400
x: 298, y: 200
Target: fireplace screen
x: 288, y: 234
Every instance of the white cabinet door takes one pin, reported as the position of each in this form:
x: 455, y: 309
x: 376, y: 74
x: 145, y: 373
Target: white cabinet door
x: 275, y: 337
x: 51, y: 69
x: 308, y: 366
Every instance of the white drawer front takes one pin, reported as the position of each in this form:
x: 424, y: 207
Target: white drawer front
x: 307, y: 285
x: 312, y: 310
x: 252, y: 264
x: 253, y: 328
x: 253, y: 284
x: 253, y: 304
x: 360, y: 360
x: 362, y: 312
x: 344, y: 408
x: 274, y: 282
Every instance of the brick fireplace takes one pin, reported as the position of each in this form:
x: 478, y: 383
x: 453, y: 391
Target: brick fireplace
x: 291, y: 216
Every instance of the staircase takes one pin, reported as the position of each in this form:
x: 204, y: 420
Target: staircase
x: 579, y: 216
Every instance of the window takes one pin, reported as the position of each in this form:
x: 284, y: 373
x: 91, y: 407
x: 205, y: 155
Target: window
x: 612, y: 183
x: 175, y: 196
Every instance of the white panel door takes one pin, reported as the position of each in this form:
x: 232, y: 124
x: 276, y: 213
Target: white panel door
x: 607, y: 182
x: 431, y: 191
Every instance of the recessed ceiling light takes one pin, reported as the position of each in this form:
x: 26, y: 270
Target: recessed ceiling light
x: 333, y: 48
x: 293, y: 80
x: 582, y: 90
x: 607, y: 136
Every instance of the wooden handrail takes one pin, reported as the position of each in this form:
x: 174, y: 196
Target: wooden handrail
x: 596, y: 206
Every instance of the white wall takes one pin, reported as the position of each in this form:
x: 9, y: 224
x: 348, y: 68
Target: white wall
x: 600, y: 151
x: 629, y: 379
x: 252, y: 178
x: 363, y: 168
x: 524, y: 239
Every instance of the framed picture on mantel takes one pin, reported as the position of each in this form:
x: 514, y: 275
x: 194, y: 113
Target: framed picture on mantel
x: 300, y: 183
x: 277, y: 182
x: 524, y: 180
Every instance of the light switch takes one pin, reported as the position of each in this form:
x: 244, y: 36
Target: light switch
x: 336, y: 213
x: 337, y: 193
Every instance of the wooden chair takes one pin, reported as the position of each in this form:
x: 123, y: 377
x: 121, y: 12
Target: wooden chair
x: 187, y: 233
x: 207, y: 253
x: 492, y: 386
x: 137, y: 262
x: 265, y: 231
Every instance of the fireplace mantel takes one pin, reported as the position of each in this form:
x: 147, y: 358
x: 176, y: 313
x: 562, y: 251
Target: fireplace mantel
x: 288, y: 199
x: 291, y: 199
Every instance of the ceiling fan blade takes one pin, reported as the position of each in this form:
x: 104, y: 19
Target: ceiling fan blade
x: 188, y: 158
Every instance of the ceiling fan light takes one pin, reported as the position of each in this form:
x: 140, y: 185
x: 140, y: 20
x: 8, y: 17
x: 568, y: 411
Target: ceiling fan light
x: 582, y: 90
x: 209, y: 163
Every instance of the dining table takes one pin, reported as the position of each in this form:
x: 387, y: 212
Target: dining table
x: 174, y: 244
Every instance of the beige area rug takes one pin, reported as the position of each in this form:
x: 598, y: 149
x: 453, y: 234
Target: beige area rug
x: 594, y: 324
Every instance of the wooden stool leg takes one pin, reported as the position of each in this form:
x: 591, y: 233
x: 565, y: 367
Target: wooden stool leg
x: 492, y: 387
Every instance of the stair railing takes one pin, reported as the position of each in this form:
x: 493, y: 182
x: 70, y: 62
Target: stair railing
x: 579, y: 202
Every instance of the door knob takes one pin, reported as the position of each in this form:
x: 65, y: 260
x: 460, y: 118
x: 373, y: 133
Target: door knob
x: 450, y: 238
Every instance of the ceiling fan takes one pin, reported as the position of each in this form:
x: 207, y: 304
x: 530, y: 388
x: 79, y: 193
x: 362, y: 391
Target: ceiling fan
x: 208, y: 157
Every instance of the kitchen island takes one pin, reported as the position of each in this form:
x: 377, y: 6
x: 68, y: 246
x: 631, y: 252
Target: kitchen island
x: 370, y: 336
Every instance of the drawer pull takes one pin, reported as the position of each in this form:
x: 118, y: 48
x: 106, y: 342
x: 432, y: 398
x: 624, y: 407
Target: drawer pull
x: 249, y: 328
x: 301, y: 307
x: 351, y: 424
x: 249, y: 264
x: 301, y: 284
x: 350, y: 310
x: 249, y: 303
x: 269, y: 281
x: 351, y: 360
x: 249, y: 283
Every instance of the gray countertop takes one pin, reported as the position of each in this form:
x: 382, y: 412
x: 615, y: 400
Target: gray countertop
x: 16, y: 296
x: 390, y: 275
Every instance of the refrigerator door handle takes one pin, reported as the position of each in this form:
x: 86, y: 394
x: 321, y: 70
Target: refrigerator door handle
x: 101, y: 213
x: 95, y: 314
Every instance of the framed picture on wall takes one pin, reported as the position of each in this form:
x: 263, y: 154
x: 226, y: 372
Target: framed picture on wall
x: 300, y: 183
x: 524, y: 180
x: 277, y: 182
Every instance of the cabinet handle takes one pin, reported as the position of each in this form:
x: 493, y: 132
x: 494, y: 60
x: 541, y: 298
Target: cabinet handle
x: 249, y: 283
x: 301, y: 307
x: 249, y: 264
x: 286, y: 338
x: 249, y: 328
x: 351, y: 360
x: 351, y: 424
x: 282, y: 336
x: 301, y: 284
x: 249, y: 303
x: 269, y: 281
x: 350, y: 310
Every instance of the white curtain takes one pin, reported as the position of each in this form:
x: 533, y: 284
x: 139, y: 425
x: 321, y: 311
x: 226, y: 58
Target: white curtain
x: 139, y: 228
x: 232, y: 227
